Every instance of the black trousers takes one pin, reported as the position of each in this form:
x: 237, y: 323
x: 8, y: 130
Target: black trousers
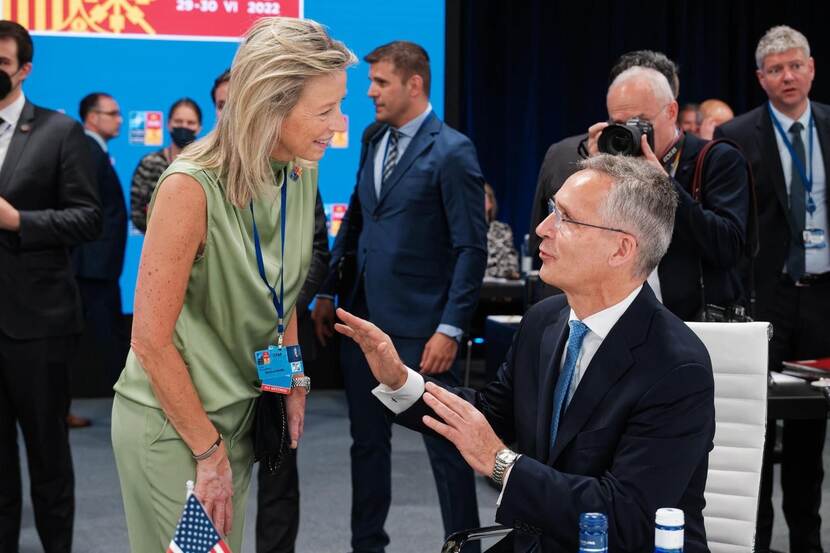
x: 799, y: 319
x: 278, y: 508
x: 104, y: 323
x: 371, y: 430
x: 34, y: 393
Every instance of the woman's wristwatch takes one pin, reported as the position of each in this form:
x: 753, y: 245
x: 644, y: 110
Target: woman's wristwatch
x: 301, y: 382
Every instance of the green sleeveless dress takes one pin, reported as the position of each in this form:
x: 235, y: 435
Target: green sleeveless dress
x: 228, y: 313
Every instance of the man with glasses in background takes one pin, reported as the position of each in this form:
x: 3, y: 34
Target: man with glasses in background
x: 709, y: 241
x: 98, y: 264
x: 787, y: 141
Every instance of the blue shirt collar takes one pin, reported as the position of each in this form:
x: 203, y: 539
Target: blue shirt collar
x: 410, y: 129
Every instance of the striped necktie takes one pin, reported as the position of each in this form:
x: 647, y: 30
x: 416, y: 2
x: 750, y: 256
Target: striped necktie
x: 391, y: 155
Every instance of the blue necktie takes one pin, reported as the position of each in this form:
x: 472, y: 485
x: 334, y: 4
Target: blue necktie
x: 578, y: 332
x: 795, y: 258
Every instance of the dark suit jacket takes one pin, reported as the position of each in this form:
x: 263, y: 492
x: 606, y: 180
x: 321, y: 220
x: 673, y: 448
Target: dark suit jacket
x: 756, y: 136
x: 48, y: 176
x: 320, y: 257
x: 635, y: 437
x: 560, y: 163
x: 422, y: 246
x: 711, y: 232
x: 104, y: 258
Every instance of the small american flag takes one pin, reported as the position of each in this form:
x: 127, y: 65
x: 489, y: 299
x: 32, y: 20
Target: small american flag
x: 195, y: 532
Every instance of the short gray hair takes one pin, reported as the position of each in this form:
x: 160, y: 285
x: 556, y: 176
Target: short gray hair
x: 642, y: 201
x: 780, y: 39
x: 657, y: 82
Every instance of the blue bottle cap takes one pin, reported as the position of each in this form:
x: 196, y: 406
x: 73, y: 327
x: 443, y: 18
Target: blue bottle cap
x: 593, y: 521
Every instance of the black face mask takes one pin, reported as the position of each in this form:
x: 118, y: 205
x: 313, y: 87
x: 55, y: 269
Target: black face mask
x: 182, y: 136
x: 5, y: 85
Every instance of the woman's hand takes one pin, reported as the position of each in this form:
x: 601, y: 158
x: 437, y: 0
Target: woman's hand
x: 295, y: 411
x: 214, y: 488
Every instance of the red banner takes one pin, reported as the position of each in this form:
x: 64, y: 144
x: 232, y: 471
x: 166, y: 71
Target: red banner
x: 178, y: 19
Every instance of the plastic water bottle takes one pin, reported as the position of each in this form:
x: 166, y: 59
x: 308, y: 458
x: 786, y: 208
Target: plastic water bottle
x: 527, y: 260
x: 668, y: 531
x: 593, y: 533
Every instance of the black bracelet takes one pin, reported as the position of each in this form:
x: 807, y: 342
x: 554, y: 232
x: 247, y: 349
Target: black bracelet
x: 210, y: 451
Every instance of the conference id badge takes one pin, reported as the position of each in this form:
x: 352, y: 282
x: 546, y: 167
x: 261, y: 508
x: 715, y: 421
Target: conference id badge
x: 814, y: 238
x: 274, y: 366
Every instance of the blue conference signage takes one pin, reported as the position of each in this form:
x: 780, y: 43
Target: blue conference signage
x: 147, y: 76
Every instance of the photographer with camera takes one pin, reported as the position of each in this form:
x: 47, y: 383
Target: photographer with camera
x: 709, y: 240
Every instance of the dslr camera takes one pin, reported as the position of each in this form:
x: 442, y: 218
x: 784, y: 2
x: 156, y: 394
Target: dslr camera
x: 624, y: 138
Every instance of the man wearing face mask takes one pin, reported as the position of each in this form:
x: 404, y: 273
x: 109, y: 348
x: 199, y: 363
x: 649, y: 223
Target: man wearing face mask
x: 710, y: 233
x: 47, y: 205
x: 184, y: 122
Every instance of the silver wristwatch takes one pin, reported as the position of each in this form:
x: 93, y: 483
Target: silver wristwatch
x: 504, y: 460
x: 301, y: 382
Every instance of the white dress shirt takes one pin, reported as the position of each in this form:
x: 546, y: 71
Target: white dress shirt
x: 599, y: 325
x: 816, y: 260
x: 10, y: 115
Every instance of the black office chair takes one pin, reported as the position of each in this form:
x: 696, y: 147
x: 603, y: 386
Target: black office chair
x: 457, y: 541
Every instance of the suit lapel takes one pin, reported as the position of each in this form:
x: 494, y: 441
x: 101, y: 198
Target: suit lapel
x: 550, y: 355
x: 367, y: 175
x: 768, y: 146
x: 611, y: 362
x: 17, y: 144
x: 422, y: 140
x: 822, y: 119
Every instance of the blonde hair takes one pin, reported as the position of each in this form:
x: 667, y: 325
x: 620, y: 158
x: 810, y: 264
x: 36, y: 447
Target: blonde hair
x: 276, y: 58
x: 777, y: 40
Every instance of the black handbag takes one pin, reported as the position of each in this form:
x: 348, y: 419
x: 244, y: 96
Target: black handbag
x: 271, y: 439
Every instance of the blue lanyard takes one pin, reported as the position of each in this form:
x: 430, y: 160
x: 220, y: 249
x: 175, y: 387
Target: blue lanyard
x: 279, y: 305
x: 799, y: 165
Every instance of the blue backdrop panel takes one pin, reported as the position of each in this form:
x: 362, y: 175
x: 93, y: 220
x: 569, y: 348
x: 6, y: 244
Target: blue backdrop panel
x: 149, y: 75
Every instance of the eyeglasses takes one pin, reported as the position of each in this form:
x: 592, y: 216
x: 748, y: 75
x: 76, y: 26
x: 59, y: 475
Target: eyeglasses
x: 113, y: 113
x: 558, y: 219
x: 776, y: 71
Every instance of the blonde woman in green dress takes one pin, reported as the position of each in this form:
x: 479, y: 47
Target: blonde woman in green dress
x: 184, y: 404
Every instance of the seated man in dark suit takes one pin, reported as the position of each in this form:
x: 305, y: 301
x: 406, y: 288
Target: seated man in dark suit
x: 607, y: 396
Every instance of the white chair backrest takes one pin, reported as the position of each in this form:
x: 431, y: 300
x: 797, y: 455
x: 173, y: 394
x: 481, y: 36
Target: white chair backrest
x: 739, y: 362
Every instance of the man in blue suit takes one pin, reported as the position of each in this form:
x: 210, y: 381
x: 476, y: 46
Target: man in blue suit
x: 606, y: 395
x: 416, y: 237
x: 98, y: 264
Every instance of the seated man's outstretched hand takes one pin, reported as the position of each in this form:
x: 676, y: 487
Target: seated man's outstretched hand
x: 380, y: 353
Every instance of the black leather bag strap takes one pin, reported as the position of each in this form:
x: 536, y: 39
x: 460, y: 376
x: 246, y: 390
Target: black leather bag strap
x: 752, y: 232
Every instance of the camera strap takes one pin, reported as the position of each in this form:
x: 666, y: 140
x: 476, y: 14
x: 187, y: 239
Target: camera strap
x: 672, y: 156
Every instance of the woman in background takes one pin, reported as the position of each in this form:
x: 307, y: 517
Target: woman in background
x: 502, y: 260
x: 184, y: 123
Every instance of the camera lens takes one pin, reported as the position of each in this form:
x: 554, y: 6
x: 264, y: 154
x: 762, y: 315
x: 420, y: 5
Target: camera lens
x: 618, y: 140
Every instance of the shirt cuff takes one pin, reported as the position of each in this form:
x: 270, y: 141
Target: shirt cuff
x: 404, y: 397
x: 504, y: 481
x: 452, y: 331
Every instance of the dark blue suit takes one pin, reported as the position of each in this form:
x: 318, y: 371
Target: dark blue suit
x: 97, y: 266
x: 635, y: 437
x: 421, y: 251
